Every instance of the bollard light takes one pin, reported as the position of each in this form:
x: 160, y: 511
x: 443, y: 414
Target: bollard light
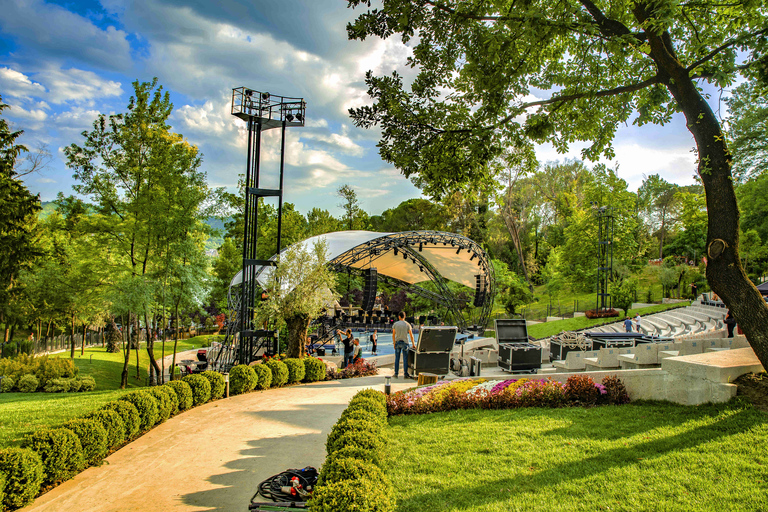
x: 226, y: 381
x: 387, y: 385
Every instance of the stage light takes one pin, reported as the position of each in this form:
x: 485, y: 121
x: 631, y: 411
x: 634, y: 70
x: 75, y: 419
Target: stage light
x: 472, y: 257
x: 421, y: 269
x: 289, y: 117
x: 248, y: 93
x: 421, y: 247
x: 265, y: 96
x: 478, y: 263
x: 395, y: 251
x: 299, y: 117
x: 458, y: 250
x: 405, y: 256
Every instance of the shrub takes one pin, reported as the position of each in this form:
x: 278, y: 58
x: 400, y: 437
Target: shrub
x: 356, y: 452
x: 23, y: 470
x: 264, y: 375
x: 46, y: 368
x: 217, y: 383
x: 376, y: 396
x: 336, y: 469
x: 368, y: 406
x: 353, y: 495
x: 93, y: 438
x: 361, y: 415
x: 75, y: 384
x: 164, y: 405
x: 87, y: 383
x: 201, y: 388
x: 366, y: 440
x: 173, y: 398
x: 129, y: 414
x: 6, y: 384
x: 183, y: 393
x: 146, y: 404
x: 2, y: 489
x: 296, y: 370
x: 242, y: 379
x: 28, y: 383
x: 350, y: 425
x: 581, y: 389
x: 60, y: 451
x: 314, y: 369
x: 279, y: 372
x: 57, y: 386
x: 615, y: 392
x: 113, y: 425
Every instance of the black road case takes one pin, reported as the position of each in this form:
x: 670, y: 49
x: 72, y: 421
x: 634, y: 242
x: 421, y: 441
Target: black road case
x: 557, y: 352
x: 433, y: 351
x: 511, y: 330
x: 519, y: 356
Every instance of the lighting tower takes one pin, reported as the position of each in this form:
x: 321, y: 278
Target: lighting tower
x: 604, y: 255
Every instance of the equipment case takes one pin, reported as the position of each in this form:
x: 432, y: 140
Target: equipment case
x: 433, y: 351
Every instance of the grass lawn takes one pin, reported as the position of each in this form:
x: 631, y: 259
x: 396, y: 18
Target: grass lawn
x: 642, y: 456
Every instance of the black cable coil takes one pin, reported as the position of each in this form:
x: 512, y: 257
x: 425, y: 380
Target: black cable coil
x: 271, y: 488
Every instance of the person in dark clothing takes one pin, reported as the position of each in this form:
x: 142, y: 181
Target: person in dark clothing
x: 730, y: 322
x: 374, y: 341
x: 349, y: 346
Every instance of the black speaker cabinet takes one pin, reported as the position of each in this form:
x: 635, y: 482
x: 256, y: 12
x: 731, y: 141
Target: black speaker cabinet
x: 519, y: 356
x: 370, y: 278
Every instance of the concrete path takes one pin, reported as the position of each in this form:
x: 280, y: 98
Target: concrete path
x: 214, y: 456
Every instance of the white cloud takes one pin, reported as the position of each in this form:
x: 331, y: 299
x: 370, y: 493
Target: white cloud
x: 33, y: 115
x: 18, y: 85
x: 77, y: 86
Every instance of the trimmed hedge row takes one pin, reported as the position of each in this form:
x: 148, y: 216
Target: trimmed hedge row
x: 351, y: 478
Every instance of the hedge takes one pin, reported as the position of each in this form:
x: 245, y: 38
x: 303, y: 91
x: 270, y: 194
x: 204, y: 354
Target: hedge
x: 217, y: 383
x: 360, y: 414
x: 242, y: 379
x: 2, y: 489
x: 164, y: 405
x: 370, y: 407
x: 146, y: 404
x: 93, y: 438
x: 279, y: 372
x: 6, y: 384
x: 129, y: 414
x: 314, y: 369
x: 201, y: 388
x: 353, y: 495
x: 113, y: 426
x: 356, y: 452
x: 183, y: 393
x: 376, y: 396
x: 350, y: 425
x: 23, y: 470
x: 28, y: 383
x: 264, y: 375
x: 337, y: 469
x: 296, y: 370
x: 173, y: 398
x: 60, y: 450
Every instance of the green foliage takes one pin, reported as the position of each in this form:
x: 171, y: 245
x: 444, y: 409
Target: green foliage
x: 296, y: 370
x: 6, y: 384
x: 23, y: 471
x: 314, y: 369
x: 512, y: 290
x: 364, y: 439
x: 201, y: 388
x: 353, y: 495
x: 164, y: 404
x: 279, y: 372
x: 337, y: 469
x: 747, y: 130
x: 93, y: 438
x: 623, y: 295
x: 242, y: 379
x: 146, y: 404
x: 351, y: 424
x: 358, y: 414
x: 113, y: 426
x: 183, y: 393
x: 87, y: 383
x: 264, y: 375
x: 369, y: 404
x: 60, y: 451
x: 217, y: 383
x: 376, y: 396
x: 129, y: 414
x: 28, y: 383
x: 58, y: 386
x: 359, y: 453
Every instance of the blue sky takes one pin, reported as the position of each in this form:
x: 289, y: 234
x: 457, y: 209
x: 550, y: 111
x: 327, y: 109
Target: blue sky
x: 64, y: 62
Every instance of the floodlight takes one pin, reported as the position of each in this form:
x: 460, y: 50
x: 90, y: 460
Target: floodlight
x: 265, y: 96
x: 289, y: 117
x: 472, y: 257
x: 395, y: 251
x: 458, y: 250
x: 299, y: 117
x: 248, y: 93
x: 405, y: 256
x: 421, y: 247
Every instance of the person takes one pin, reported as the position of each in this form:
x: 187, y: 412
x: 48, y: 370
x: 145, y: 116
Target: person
x: 628, y: 324
x: 308, y: 346
x: 694, y: 290
x: 730, y: 322
x: 357, y: 351
x: 349, y: 345
x: 400, y: 332
x: 374, y: 341
x: 637, y: 322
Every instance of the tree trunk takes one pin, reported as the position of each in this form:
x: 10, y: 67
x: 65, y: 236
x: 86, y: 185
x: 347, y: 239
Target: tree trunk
x: 72, y: 339
x: 125, y: 341
x: 154, y: 368
x: 137, y: 343
x: 724, y: 271
x: 514, y: 234
x: 82, y: 345
x: 297, y: 335
x: 172, y: 369
x: 661, y: 238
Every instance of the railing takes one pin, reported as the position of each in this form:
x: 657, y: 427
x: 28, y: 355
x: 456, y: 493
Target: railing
x: 50, y: 344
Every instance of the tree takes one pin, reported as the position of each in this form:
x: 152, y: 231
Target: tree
x: 690, y: 243
x: 411, y: 215
x: 658, y: 198
x: 298, y: 289
x: 597, y: 66
x: 623, y: 294
x: 512, y: 291
x: 354, y: 216
x: 320, y: 222
x: 748, y: 130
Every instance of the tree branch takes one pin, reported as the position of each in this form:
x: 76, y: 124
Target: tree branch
x: 725, y: 46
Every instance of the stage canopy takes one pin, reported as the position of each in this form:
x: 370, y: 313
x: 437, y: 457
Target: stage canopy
x: 763, y: 288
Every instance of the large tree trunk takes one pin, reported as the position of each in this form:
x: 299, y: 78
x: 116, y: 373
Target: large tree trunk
x: 297, y: 335
x: 724, y: 271
x: 154, y: 368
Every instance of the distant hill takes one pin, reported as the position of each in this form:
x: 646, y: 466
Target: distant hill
x: 48, y: 208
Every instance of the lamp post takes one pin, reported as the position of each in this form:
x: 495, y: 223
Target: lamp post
x: 226, y: 382
x: 387, y: 385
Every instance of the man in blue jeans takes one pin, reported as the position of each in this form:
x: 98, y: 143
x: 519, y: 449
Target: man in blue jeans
x: 400, y: 332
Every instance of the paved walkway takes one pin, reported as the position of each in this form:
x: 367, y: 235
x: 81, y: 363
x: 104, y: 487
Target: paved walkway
x: 214, y: 456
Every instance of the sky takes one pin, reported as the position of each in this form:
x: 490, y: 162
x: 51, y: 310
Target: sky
x: 62, y: 63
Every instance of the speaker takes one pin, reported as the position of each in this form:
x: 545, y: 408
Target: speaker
x: 370, y: 281
x: 479, y: 291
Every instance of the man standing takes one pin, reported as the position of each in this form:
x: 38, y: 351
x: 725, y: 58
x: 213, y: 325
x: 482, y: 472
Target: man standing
x: 374, y: 341
x: 400, y: 332
x: 349, y: 345
x: 637, y: 322
x: 357, y: 351
x: 628, y: 324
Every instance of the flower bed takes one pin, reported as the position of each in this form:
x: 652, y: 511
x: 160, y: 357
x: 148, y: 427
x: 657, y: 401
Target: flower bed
x: 477, y: 393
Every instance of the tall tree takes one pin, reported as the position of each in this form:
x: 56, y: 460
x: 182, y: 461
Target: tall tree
x: 658, y: 199
x: 748, y: 130
x: 354, y: 216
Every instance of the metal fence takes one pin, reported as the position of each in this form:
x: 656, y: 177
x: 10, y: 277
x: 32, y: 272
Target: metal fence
x: 50, y: 344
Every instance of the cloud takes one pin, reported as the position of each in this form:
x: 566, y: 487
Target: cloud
x: 34, y: 117
x: 18, y: 85
x: 77, y: 85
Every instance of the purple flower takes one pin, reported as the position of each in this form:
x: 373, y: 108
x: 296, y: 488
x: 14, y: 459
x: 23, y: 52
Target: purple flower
x: 602, y: 389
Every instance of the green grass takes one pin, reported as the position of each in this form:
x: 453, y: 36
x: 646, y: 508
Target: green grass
x: 651, y: 456
x: 546, y: 329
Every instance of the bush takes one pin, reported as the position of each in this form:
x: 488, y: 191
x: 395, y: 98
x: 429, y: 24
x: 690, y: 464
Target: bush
x: 353, y: 495
x: 129, y: 414
x: 279, y: 372
x: 113, y: 426
x: 376, y: 396
x: 350, y: 425
x: 60, y: 451
x: 366, y: 440
x: 57, y: 386
x: 581, y: 389
x: 23, y: 470
x: 242, y: 379
x: 264, y: 375
x: 615, y: 392
x: 183, y: 393
x: 164, y: 405
x: 314, y: 369
x: 369, y: 406
x: 296, y: 370
x: 201, y: 388
x: 173, y: 398
x: 361, y: 415
x: 2, y: 489
x: 336, y: 469
x: 75, y: 384
x: 28, y: 383
x: 146, y: 404
x: 93, y: 439
x: 216, y: 381
x: 87, y: 383
x: 6, y: 384
x: 356, y: 452
x: 46, y: 368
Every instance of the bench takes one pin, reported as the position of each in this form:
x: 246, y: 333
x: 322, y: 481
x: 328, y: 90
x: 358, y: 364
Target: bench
x: 574, y: 360
x: 642, y: 356
x: 607, y: 358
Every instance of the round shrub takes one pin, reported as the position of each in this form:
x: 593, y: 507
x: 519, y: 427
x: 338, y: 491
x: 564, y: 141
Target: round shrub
x: 264, y: 375
x: 113, y: 425
x: 6, y: 384
x: 216, y: 380
x: 183, y: 393
x: 355, y: 452
x: 279, y: 372
x: 581, y: 389
x: 353, y: 495
x: 173, y: 398
x: 201, y: 388
x: 75, y: 384
x: 146, y: 404
x: 60, y: 451
x: 376, y: 396
x: 368, y: 406
x: 23, y: 470
x: 27, y: 383
x: 350, y: 425
x: 366, y: 440
x: 129, y: 414
x: 93, y: 438
x: 163, y: 402
x: 242, y: 379
x: 314, y: 369
x: 337, y: 469
x: 57, y: 386
x: 296, y: 370
x: 87, y: 383
x: 361, y: 415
